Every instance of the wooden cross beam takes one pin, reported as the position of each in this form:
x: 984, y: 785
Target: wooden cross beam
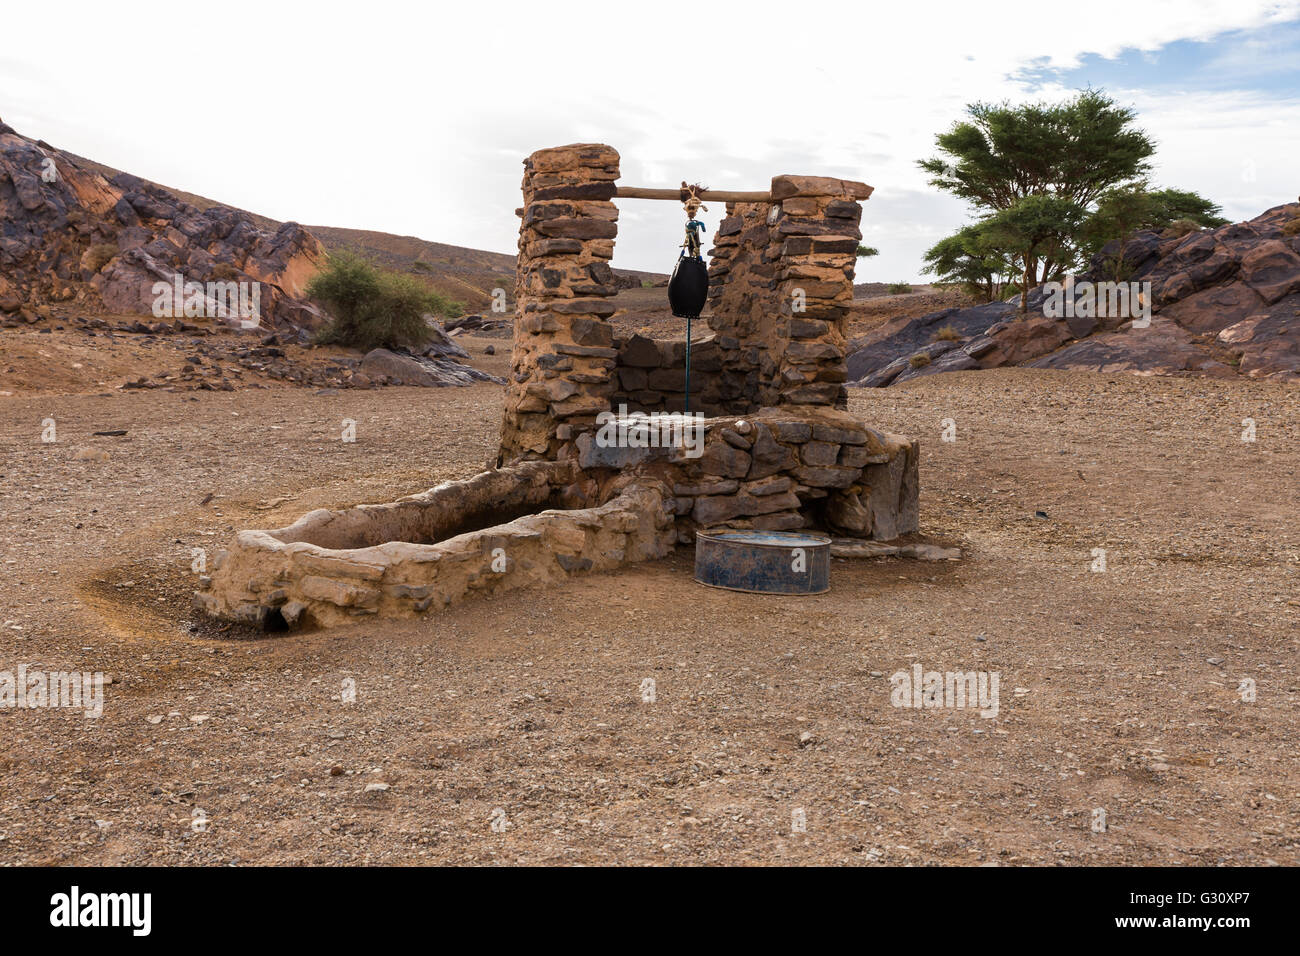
x: 681, y: 195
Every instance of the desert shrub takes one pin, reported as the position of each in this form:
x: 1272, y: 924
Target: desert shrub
x: 374, y: 308
x: 99, y: 255
x: 919, y: 360
x: 647, y: 283
x: 223, y: 272
x: 1292, y: 228
x: 1181, y: 227
x: 899, y: 288
x: 948, y: 333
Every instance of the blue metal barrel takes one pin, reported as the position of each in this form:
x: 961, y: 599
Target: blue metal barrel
x: 764, y: 562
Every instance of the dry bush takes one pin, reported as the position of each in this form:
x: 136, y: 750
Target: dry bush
x: 374, y: 308
x: 99, y: 255
x: 1181, y: 227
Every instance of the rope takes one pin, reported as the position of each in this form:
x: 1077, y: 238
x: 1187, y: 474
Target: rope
x: 693, y: 204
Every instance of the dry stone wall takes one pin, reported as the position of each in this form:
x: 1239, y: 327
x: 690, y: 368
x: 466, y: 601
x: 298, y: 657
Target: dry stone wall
x: 652, y: 376
x: 598, y: 509
x: 781, y: 283
x: 779, y: 469
x: 563, y: 347
x: 744, y: 305
x: 815, y: 227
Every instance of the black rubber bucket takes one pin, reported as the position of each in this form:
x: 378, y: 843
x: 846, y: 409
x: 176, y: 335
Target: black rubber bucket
x: 688, y: 289
x: 764, y: 562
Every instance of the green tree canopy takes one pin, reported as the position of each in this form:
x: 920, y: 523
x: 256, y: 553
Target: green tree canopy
x: 1173, y: 204
x: 1039, y: 228
x: 1051, y: 183
x: 972, y: 258
x: 1077, y: 150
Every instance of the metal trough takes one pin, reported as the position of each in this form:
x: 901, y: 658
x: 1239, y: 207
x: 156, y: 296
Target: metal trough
x: 764, y: 562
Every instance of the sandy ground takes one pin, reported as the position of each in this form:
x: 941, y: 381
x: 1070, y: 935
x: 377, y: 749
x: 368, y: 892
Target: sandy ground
x: 1120, y: 691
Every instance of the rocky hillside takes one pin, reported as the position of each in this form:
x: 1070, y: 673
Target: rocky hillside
x: 464, y: 275
x: 73, y: 235
x: 1224, y: 302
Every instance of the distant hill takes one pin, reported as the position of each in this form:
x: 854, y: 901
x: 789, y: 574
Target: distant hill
x: 463, y: 274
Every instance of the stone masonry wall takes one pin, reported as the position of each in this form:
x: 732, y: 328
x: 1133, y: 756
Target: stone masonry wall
x: 744, y: 306
x: 652, y: 376
x: 329, y: 568
x: 779, y: 469
x: 776, y: 452
x: 563, y: 355
x: 781, y: 283
x: 815, y: 227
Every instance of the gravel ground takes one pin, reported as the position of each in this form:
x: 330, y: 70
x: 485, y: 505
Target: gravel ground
x: 513, y: 730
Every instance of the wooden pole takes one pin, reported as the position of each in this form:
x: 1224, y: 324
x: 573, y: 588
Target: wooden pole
x: 680, y: 195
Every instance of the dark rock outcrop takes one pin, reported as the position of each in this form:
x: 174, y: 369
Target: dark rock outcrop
x: 1224, y: 301
x: 382, y: 366
x: 71, y: 235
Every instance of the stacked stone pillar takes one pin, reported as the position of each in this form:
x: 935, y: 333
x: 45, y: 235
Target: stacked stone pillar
x: 563, y: 360
x: 743, y: 305
x: 814, y: 240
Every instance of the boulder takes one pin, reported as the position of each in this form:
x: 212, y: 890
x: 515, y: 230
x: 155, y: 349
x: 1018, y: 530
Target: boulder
x: 407, y: 369
x: 1271, y: 269
x: 1162, y: 349
x: 951, y: 360
x: 1024, y: 338
x: 441, y: 345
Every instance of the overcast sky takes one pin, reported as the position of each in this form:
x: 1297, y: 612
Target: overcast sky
x: 414, y: 118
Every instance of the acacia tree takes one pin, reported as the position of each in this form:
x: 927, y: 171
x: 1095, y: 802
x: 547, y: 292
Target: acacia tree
x: 973, y: 258
x: 1170, y: 205
x: 1039, y: 228
x: 1004, y: 157
x: 1075, y: 150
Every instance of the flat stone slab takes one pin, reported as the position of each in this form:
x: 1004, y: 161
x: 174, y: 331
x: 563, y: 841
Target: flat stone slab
x: 860, y: 548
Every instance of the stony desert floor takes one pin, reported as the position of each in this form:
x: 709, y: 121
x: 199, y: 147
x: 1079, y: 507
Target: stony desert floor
x: 1120, y: 690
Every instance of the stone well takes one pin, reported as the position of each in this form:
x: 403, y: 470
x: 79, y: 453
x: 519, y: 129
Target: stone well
x: 775, y: 450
